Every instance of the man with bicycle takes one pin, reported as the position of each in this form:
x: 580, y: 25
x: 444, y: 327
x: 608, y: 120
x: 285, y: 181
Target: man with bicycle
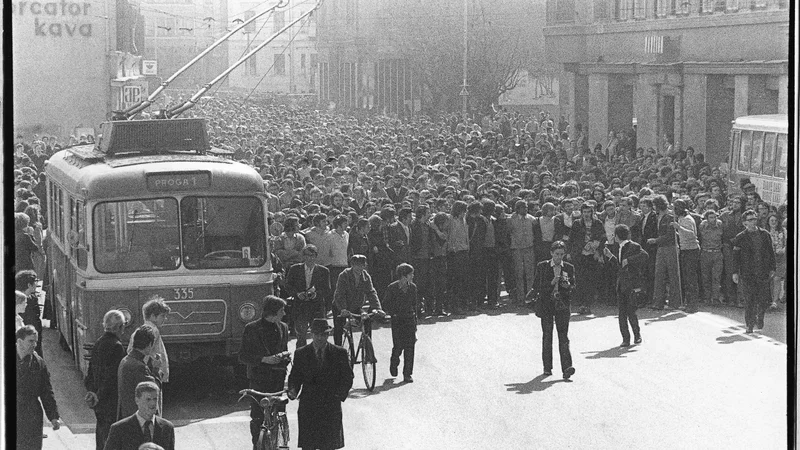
x: 354, y: 289
x: 265, y: 351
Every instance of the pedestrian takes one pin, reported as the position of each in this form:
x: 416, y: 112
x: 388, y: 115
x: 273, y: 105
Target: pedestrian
x: 666, y: 269
x: 711, y: 258
x: 401, y: 304
x: 552, y: 287
x: 778, y: 234
x: 732, y: 225
x: 25, y: 282
x: 754, y: 267
x: 34, y: 392
x: 421, y: 251
x: 155, y: 312
x: 586, y: 238
x: 335, y: 248
x: 477, y: 227
x: 309, y: 284
x: 265, y: 352
x: 25, y: 248
x: 321, y: 378
x: 458, y: 257
x: 101, y: 379
x: 133, y: 370
x: 520, y: 228
x: 143, y: 425
x: 631, y: 262
x: 689, y: 254
x: 21, y: 299
x: 649, y: 230
x: 354, y: 291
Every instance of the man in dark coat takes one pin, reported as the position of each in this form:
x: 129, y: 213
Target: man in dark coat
x: 25, y: 282
x: 322, y: 376
x: 265, y: 352
x: 649, y: 226
x: 630, y: 260
x: 309, y: 283
x: 33, y: 385
x: 143, y: 425
x: 401, y: 303
x: 586, y: 238
x: 397, y: 192
x: 553, y: 284
x: 133, y: 370
x: 101, y: 381
x: 354, y: 290
x: 753, y: 268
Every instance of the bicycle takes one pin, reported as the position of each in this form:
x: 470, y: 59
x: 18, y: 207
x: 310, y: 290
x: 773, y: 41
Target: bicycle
x: 365, y: 348
x: 274, y: 433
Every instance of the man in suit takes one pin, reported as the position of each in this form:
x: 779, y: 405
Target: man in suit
x: 133, y: 370
x: 34, y: 392
x: 322, y: 377
x: 553, y: 284
x: 666, y: 269
x: 649, y: 226
x: 586, y: 237
x: 143, y: 425
x: 265, y: 352
x: 309, y: 283
x: 354, y: 289
x: 754, y: 267
x: 101, y: 381
x: 630, y: 261
x: 397, y: 192
x: 399, y: 237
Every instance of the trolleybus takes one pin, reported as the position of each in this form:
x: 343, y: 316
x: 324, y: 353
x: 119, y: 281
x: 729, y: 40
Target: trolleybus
x: 759, y: 150
x: 148, y: 212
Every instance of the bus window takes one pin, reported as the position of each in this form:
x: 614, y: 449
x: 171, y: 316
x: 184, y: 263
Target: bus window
x: 223, y: 232
x: 744, y: 152
x: 80, y: 246
x: 734, y: 160
x: 59, y: 199
x: 758, y: 146
x: 136, y: 236
x: 769, y: 155
x: 780, y: 156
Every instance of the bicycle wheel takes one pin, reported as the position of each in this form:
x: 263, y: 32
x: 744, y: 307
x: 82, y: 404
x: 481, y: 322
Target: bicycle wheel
x: 368, y: 362
x: 347, y: 343
x: 282, y: 432
x: 270, y: 438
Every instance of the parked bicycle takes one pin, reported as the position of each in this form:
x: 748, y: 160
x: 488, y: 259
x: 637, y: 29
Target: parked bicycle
x: 365, y: 349
x: 274, y: 433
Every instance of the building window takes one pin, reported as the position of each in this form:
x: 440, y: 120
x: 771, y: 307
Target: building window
x: 561, y: 11
x: 303, y: 62
x: 250, y: 28
x: 280, y: 64
x: 623, y: 9
x: 278, y: 20
x: 601, y: 9
x: 731, y: 5
x: 639, y: 9
x: 707, y: 6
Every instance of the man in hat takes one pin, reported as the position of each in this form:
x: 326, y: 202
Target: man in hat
x: 322, y: 377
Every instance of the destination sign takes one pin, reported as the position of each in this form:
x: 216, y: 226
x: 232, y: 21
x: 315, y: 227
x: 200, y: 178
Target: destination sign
x: 178, y: 181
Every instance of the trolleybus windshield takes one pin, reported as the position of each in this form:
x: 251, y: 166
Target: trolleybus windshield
x: 154, y: 235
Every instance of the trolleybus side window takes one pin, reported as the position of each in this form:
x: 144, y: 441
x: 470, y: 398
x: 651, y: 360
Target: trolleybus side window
x: 780, y: 156
x: 223, y: 232
x: 735, y: 150
x: 758, y: 146
x: 768, y: 168
x: 77, y: 234
x: 744, y: 152
x: 58, y: 198
x: 136, y: 235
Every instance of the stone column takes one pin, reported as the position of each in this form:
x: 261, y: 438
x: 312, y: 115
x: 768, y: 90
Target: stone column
x: 568, y: 87
x: 598, y: 108
x: 678, y: 114
x: 694, y: 112
x: 645, y: 109
x: 783, y: 94
x: 741, y: 91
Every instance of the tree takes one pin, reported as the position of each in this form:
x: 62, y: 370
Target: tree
x: 430, y: 36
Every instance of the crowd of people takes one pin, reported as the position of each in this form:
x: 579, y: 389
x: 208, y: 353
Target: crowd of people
x: 425, y: 217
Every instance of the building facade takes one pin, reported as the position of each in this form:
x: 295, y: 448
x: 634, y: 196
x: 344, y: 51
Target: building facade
x: 73, y: 63
x: 678, y: 71
x: 175, y: 32
x: 287, y: 64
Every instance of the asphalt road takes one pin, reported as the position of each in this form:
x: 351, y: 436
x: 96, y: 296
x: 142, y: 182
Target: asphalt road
x: 697, y: 381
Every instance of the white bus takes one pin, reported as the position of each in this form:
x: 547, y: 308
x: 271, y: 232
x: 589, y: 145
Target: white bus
x: 759, y: 151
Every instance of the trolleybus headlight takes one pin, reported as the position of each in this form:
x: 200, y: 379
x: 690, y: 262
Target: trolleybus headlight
x: 247, y: 312
x: 127, y: 314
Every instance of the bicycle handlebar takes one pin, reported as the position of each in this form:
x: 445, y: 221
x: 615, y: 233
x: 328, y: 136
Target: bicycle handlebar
x: 270, y: 397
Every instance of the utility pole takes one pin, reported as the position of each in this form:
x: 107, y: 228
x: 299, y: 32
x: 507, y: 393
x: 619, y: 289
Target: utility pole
x: 464, y: 92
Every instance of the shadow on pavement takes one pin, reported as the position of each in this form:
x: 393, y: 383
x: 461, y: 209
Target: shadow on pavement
x: 668, y: 315
x: 535, y: 385
x: 388, y: 384
x: 613, y: 352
